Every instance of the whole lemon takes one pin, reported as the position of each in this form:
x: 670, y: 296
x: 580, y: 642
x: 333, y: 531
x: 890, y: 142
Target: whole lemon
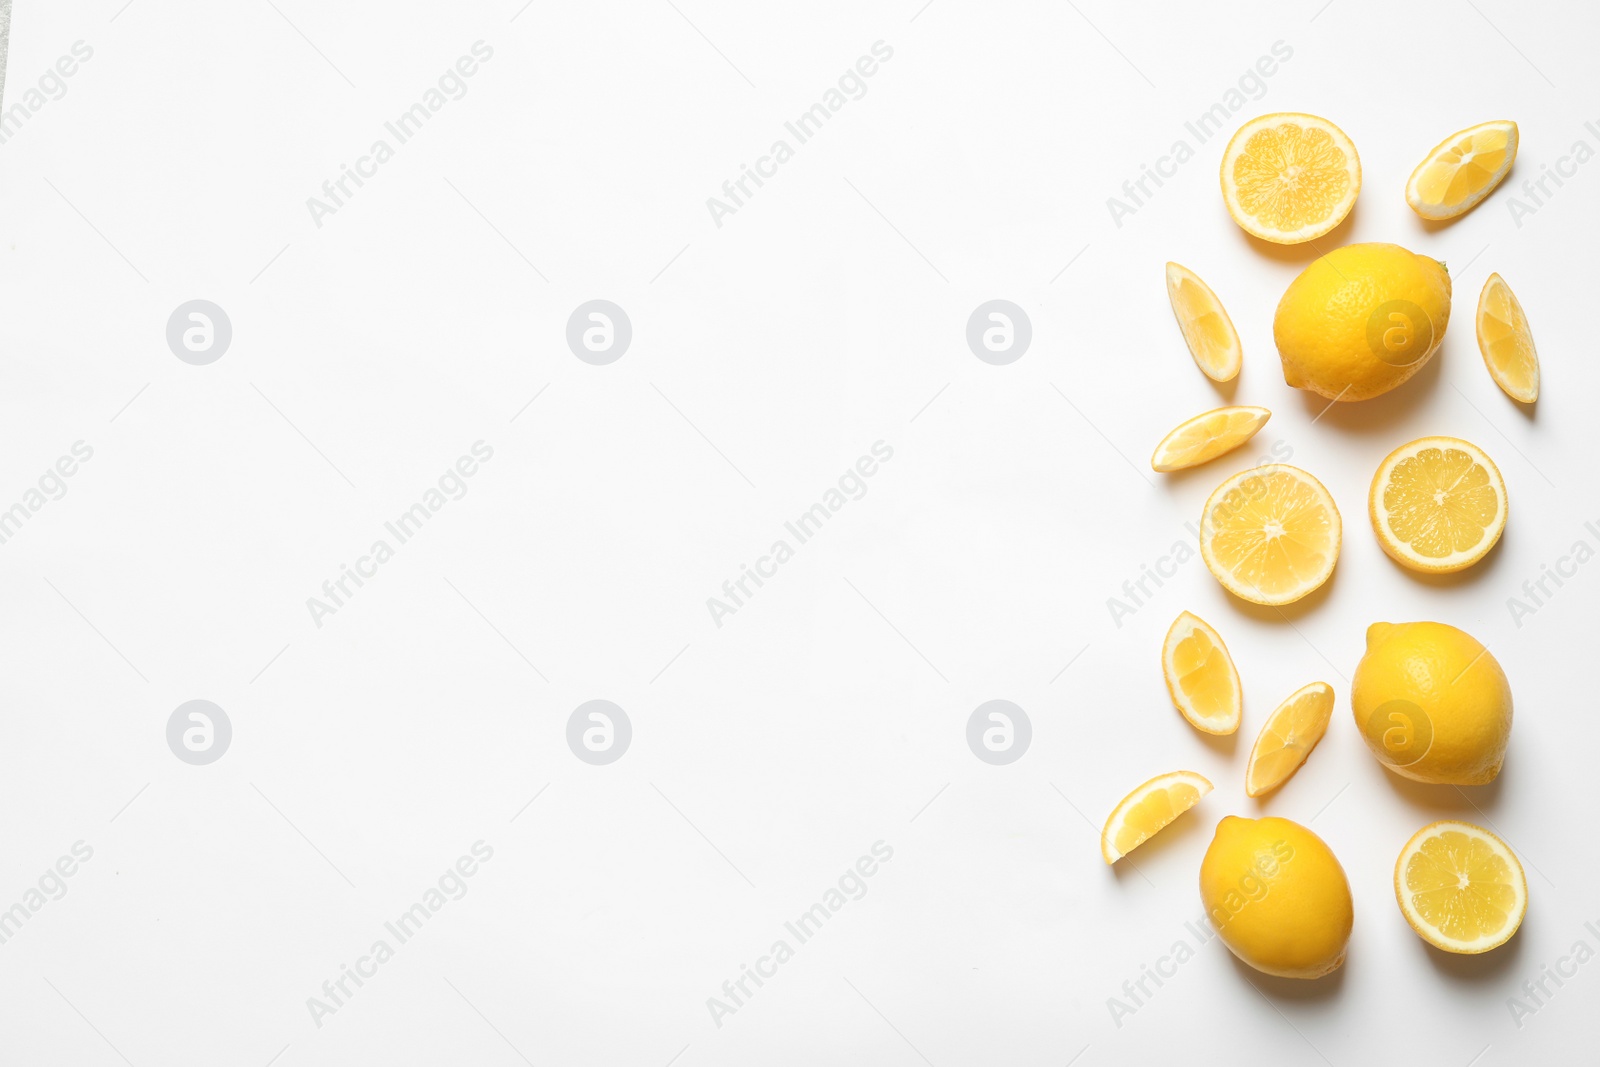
x: 1360, y: 320
x: 1432, y: 703
x: 1277, y: 896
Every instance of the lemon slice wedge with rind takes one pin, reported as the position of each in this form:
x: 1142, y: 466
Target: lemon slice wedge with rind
x: 1149, y: 808
x: 1288, y: 737
x: 1206, y: 436
x: 1506, y: 342
x: 1200, y: 676
x: 1207, y: 329
x: 1462, y: 169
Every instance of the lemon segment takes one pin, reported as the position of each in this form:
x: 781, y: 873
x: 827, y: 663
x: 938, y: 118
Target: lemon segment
x: 1460, y: 887
x: 1143, y: 812
x: 1288, y: 737
x: 1437, y: 504
x: 1290, y: 177
x: 1200, y: 676
x: 1506, y: 342
x: 1271, y: 534
x: 1462, y: 170
x: 1207, y: 329
x: 1207, y: 436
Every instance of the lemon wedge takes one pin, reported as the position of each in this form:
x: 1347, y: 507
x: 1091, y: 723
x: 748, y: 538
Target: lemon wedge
x: 1143, y: 812
x: 1506, y: 343
x: 1200, y: 676
x: 1207, y: 436
x: 1462, y: 169
x: 1290, y: 734
x: 1207, y: 329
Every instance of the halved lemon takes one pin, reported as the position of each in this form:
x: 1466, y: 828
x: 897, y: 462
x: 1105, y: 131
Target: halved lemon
x: 1207, y: 436
x: 1270, y: 535
x: 1506, y: 343
x: 1200, y: 676
x: 1437, y: 504
x: 1290, y: 734
x: 1207, y: 330
x: 1462, y: 169
x: 1147, y: 809
x: 1290, y: 177
x: 1460, y: 887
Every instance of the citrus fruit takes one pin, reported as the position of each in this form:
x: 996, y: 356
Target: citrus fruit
x: 1288, y: 737
x: 1437, y: 504
x: 1432, y: 703
x: 1361, y: 320
x: 1207, y: 436
x: 1462, y: 169
x: 1506, y: 343
x: 1200, y: 676
x: 1270, y: 535
x: 1207, y: 330
x: 1460, y: 887
x: 1277, y: 896
x: 1290, y: 177
x: 1147, y: 809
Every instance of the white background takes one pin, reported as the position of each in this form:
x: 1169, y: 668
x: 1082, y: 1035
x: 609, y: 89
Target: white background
x: 768, y: 354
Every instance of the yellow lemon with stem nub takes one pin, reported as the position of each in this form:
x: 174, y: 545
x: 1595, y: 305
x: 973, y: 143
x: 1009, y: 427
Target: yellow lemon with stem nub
x: 1277, y: 896
x: 1432, y: 703
x: 1361, y: 320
